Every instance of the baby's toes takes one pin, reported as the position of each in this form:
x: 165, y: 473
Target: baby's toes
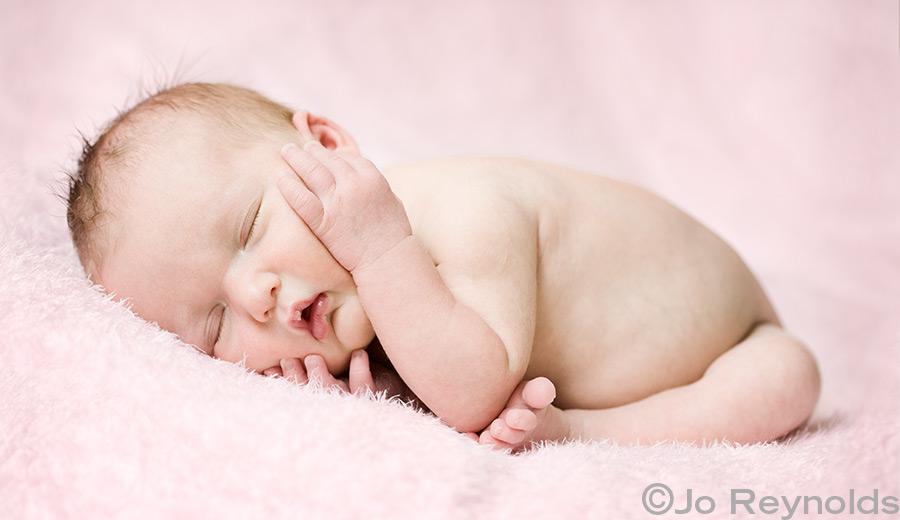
x: 472, y: 436
x: 488, y: 439
x: 501, y: 431
x: 521, y: 419
x: 539, y: 393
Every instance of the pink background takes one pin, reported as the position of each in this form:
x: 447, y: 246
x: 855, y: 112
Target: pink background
x: 775, y: 123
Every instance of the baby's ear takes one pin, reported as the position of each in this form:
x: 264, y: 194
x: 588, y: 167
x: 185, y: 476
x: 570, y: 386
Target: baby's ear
x: 325, y: 131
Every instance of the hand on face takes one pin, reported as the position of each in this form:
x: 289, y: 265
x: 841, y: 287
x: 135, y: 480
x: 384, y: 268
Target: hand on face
x: 345, y: 201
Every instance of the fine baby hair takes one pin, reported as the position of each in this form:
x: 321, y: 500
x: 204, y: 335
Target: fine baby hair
x: 240, y: 114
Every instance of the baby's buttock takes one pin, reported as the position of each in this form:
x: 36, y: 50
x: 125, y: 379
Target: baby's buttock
x: 634, y: 296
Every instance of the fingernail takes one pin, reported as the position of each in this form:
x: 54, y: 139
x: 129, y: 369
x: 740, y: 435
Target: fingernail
x: 287, y: 147
x: 270, y: 372
x: 287, y: 365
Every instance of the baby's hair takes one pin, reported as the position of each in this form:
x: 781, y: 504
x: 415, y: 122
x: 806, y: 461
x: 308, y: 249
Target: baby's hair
x: 239, y: 113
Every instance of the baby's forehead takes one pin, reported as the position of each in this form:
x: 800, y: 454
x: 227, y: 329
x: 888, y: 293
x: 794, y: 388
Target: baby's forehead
x: 180, y: 159
x: 177, y: 211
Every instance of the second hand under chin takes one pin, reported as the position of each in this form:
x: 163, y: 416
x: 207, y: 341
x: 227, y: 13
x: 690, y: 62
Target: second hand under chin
x: 376, y: 353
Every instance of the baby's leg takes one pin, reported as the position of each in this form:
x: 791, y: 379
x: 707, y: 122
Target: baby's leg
x: 759, y: 390
x: 527, y: 418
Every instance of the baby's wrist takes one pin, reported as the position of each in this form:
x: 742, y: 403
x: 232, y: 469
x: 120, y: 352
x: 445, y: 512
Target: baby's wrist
x: 389, y: 257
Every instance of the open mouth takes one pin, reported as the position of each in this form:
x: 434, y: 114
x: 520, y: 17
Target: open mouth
x: 310, y: 315
x: 304, y: 314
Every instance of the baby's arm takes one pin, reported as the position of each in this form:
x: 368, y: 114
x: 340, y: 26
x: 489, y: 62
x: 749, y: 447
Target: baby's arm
x: 461, y: 351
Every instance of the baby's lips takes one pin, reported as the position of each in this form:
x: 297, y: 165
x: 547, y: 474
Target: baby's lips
x: 318, y: 325
x: 295, y: 317
x: 310, y: 315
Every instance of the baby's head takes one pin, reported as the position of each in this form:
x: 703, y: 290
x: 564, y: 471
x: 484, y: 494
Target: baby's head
x: 175, y: 208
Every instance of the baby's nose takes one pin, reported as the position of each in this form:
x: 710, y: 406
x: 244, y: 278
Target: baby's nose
x: 256, y: 294
x: 267, y: 298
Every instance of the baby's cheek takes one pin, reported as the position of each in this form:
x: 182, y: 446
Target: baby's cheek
x: 351, y: 327
x: 256, y: 349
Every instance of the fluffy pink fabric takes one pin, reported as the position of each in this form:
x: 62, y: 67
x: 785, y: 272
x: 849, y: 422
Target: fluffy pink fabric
x: 770, y: 121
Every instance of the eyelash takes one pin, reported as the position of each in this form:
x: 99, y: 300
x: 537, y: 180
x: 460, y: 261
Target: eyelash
x: 253, y: 225
x: 222, y: 316
x: 219, y: 330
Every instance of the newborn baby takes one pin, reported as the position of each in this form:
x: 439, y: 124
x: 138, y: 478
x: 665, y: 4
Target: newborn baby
x: 519, y: 301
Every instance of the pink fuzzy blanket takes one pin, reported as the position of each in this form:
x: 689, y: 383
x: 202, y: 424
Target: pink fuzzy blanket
x: 770, y: 121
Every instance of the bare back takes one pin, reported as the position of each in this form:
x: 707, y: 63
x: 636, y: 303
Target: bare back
x: 633, y: 296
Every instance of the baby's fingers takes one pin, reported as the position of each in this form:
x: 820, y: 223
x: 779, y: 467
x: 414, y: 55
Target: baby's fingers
x: 314, y: 170
x: 293, y: 369
x: 318, y: 371
x: 273, y: 372
x: 301, y: 200
x: 337, y: 163
x: 360, y: 373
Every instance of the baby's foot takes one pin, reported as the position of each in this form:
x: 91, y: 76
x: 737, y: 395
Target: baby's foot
x: 527, y: 418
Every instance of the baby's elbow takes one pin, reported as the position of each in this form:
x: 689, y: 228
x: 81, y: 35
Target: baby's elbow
x: 473, y: 401
x: 469, y: 417
x: 475, y: 411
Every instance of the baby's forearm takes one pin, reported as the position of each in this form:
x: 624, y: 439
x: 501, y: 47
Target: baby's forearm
x: 447, y: 355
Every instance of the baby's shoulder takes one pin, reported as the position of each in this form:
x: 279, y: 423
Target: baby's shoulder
x: 445, y: 187
x: 476, y: 179
x: 464, y: 195
x: 473, y: 172
x: 452, y: 179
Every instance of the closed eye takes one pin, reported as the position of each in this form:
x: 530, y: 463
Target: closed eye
x: 219, y: 328
x: 218, y: 321
x: 253, y: 224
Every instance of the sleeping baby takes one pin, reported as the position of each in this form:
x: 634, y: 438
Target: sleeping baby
x: 519, y: 301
